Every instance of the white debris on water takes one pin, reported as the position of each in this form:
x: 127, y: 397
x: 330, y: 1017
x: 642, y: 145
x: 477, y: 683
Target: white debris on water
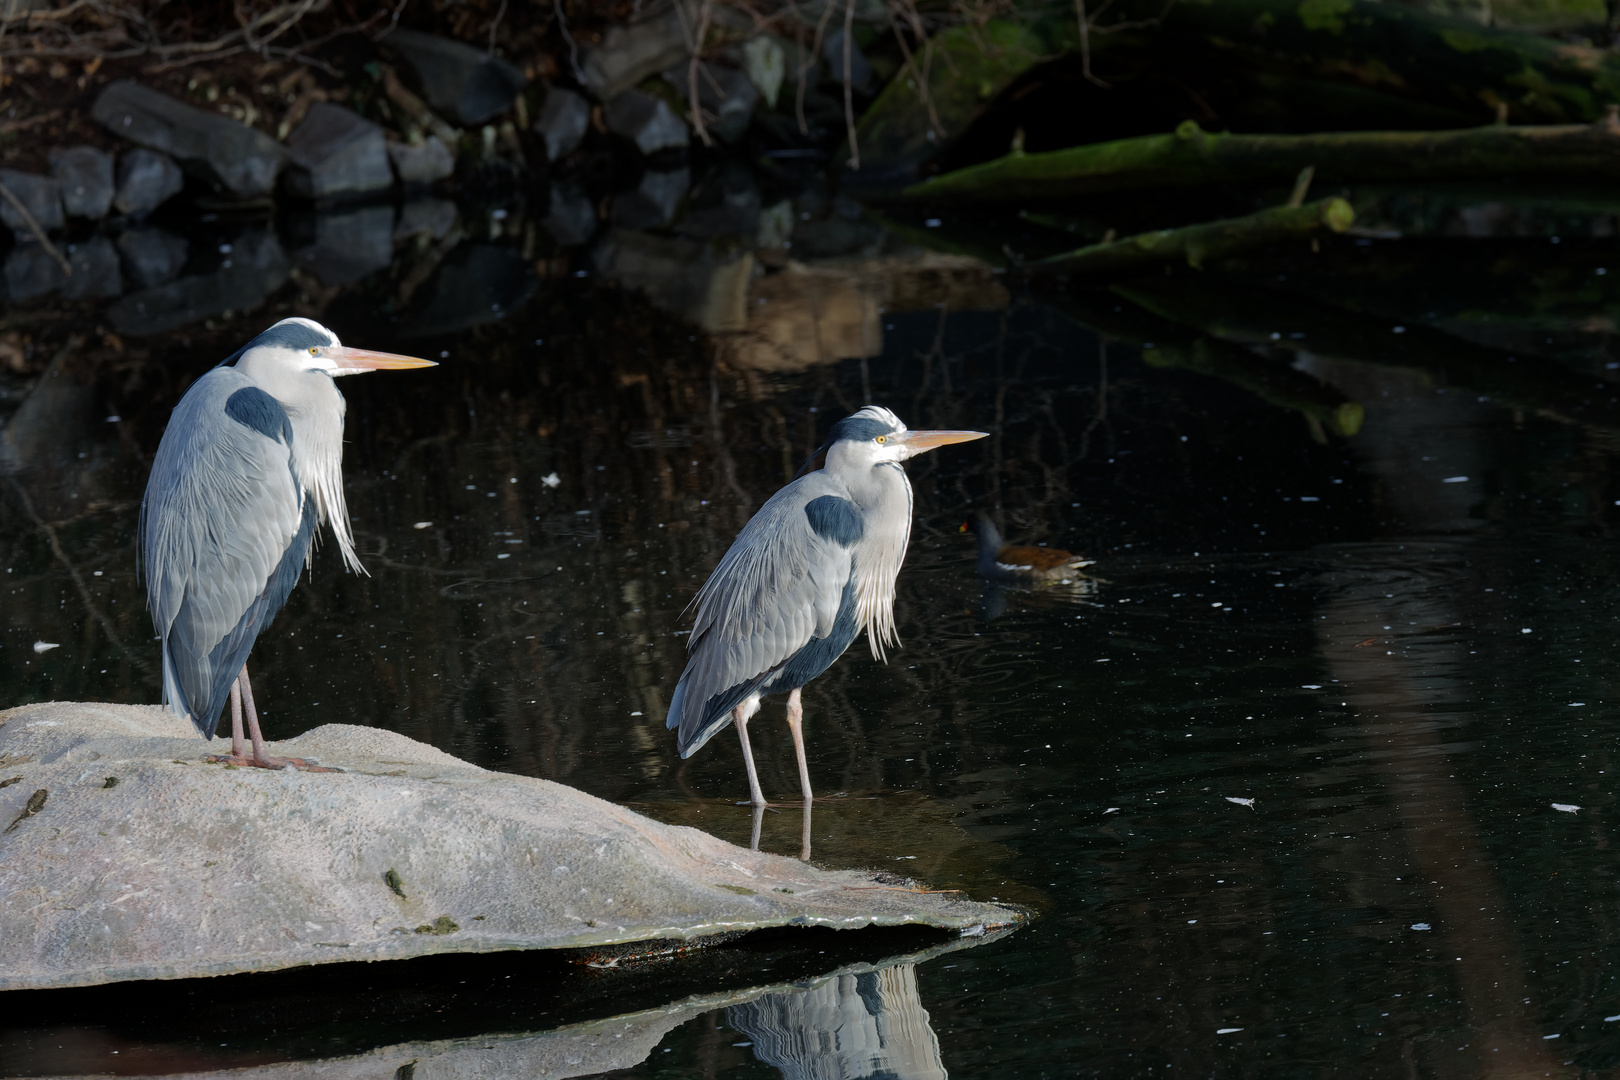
x: 1564, y: 807
x: 46, y: 646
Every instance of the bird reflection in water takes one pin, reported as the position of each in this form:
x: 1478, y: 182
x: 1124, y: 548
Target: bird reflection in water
x: 810, y: 570
x: 852, y: 1026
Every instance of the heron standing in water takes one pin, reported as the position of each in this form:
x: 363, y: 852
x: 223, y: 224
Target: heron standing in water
x: 814, y: 567
x: 249, y: 467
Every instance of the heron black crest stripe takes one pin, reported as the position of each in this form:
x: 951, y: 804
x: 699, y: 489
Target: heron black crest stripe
x: 253, y: 408
x: 859, y: 428
x: 834, y: 519
x: 288, y: 334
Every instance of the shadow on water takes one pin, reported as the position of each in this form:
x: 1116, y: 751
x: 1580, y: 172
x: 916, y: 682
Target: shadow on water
x: 1311, y: 775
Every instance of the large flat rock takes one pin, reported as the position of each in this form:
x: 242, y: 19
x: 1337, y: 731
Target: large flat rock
x: 143, y: 862
x: 223, y: 152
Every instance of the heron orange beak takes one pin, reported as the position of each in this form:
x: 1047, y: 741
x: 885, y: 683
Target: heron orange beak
x: 353, y: 361
x: 920, y: 441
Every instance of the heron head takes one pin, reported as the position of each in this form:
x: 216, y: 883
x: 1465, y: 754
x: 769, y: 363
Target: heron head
x: 875, y: 436
x: 299, y: 345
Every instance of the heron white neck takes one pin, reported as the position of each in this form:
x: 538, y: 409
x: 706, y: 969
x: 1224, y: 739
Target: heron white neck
x: 883, y: 492
x: 315, y: 408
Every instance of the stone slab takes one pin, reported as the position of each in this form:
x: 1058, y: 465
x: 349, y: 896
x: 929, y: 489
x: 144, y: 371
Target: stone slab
x: 629, y: 54
x: 39, y: 194
x: 426, y: 162
x: 146, y: 180
x: 647, y: 121
x: 227, y: 154
x: 84, y: 176
x: 337, y: 153
x: 178, y: 869
x: 461, y: 81
x: 564, y: 118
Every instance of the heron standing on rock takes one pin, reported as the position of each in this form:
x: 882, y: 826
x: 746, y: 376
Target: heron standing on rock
x: 249, y: 467
x: 814, y: 567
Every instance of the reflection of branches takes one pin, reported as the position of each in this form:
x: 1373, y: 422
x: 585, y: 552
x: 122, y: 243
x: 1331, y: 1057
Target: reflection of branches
x: 49, y: 532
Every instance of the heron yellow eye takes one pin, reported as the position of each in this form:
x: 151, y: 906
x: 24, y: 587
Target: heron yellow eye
x: 314, y: 350
x: 882, y: 438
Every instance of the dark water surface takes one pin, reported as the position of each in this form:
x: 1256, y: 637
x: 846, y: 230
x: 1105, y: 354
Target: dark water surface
x: 1311, y: 779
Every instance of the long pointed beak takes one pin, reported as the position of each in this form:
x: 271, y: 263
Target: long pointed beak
x: 919, y: 441
x: 353, y: 361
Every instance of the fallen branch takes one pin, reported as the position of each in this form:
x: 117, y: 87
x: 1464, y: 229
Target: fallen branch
x: 34, y: 227
x: 1194, y: 245
x: 1191, y: 157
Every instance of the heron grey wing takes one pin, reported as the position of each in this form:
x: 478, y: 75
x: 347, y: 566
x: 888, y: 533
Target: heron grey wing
x: 222, y: 507
x: 777, y: 588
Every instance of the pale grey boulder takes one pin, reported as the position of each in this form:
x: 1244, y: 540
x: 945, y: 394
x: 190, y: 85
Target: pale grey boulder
x: 177, y: 868
x: 229, y: 155
x: 629, y: 54
x: 39, y: 194
x: 337, y: 153
x: 84, y: 177
x: 647, y: 121
x: 564, y: 119
x: 426, y: 162
x: 152, y: 256
x: 146, y: 180
x: 462, y: 82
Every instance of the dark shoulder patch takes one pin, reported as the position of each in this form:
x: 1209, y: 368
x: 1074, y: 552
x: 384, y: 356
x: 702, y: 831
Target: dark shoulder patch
x: 834, y: 519
x: 252, y: 407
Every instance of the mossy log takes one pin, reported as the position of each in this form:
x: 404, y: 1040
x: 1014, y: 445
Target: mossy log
x: 963, y: 70
x: 1194, y: 245
x: 1192, y: 157
x: 1254, y: 315
x: 1168, y: 344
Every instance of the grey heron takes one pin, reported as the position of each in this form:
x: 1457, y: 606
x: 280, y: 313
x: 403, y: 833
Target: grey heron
x: 811, y: 569
x: 249, y: 467
x: 1000, y: 561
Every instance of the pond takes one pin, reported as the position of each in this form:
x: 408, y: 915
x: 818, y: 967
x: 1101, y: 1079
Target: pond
x: 1309, y: 776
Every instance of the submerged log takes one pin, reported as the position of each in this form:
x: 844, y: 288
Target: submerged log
x: 1191, y: 156
x: 1194, y: 245
x: 1255, y: 315
x: 1168, y: 344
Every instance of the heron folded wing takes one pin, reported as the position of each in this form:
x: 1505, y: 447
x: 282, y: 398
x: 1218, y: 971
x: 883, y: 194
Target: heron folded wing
x: 222, y: 511
x: 778, y: 588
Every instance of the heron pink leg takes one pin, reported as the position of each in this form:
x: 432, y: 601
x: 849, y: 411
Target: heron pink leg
x: 739, y: 720
x: 242, y: 701
x: 237, y: 750
x: 795, y: 719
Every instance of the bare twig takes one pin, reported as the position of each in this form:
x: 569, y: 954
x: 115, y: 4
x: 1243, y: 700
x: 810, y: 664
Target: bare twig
x: 849, y: 90
x: 1302, y: 186
x: 809, y: 60
x: 34, y: 227
x: 494, y: 25
x: 918, y: 75
x: 1085, y: 44
x: 573, y: 46
x: 705, y: 13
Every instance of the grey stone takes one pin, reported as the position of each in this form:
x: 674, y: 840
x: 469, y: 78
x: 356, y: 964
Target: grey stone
x: 726, y: 203
x: 647, y: 121
x: 146, y: 180
x: 346, y: 246
x: 425, y: 217
x: 31, y: 273
x: 254, y: 268
x: 95, y: 270
x: 861, y: 76
x: 426, y: 162
x: 681, y: 276
x: 655, y: 202
x: 564, y: 118
x: 84, y: 176
x: 570, y: 215
x: 463, y: 82
x: 724, y: 92
x: 629, y: 54
x: 229, y: 155
x: 336, y: 152
x: 161, y: 881
x: 474, y: 285
x: 152, y: 256
x: 39, y: 194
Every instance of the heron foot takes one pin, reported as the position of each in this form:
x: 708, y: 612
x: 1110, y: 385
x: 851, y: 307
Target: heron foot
x: 243, y: 762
